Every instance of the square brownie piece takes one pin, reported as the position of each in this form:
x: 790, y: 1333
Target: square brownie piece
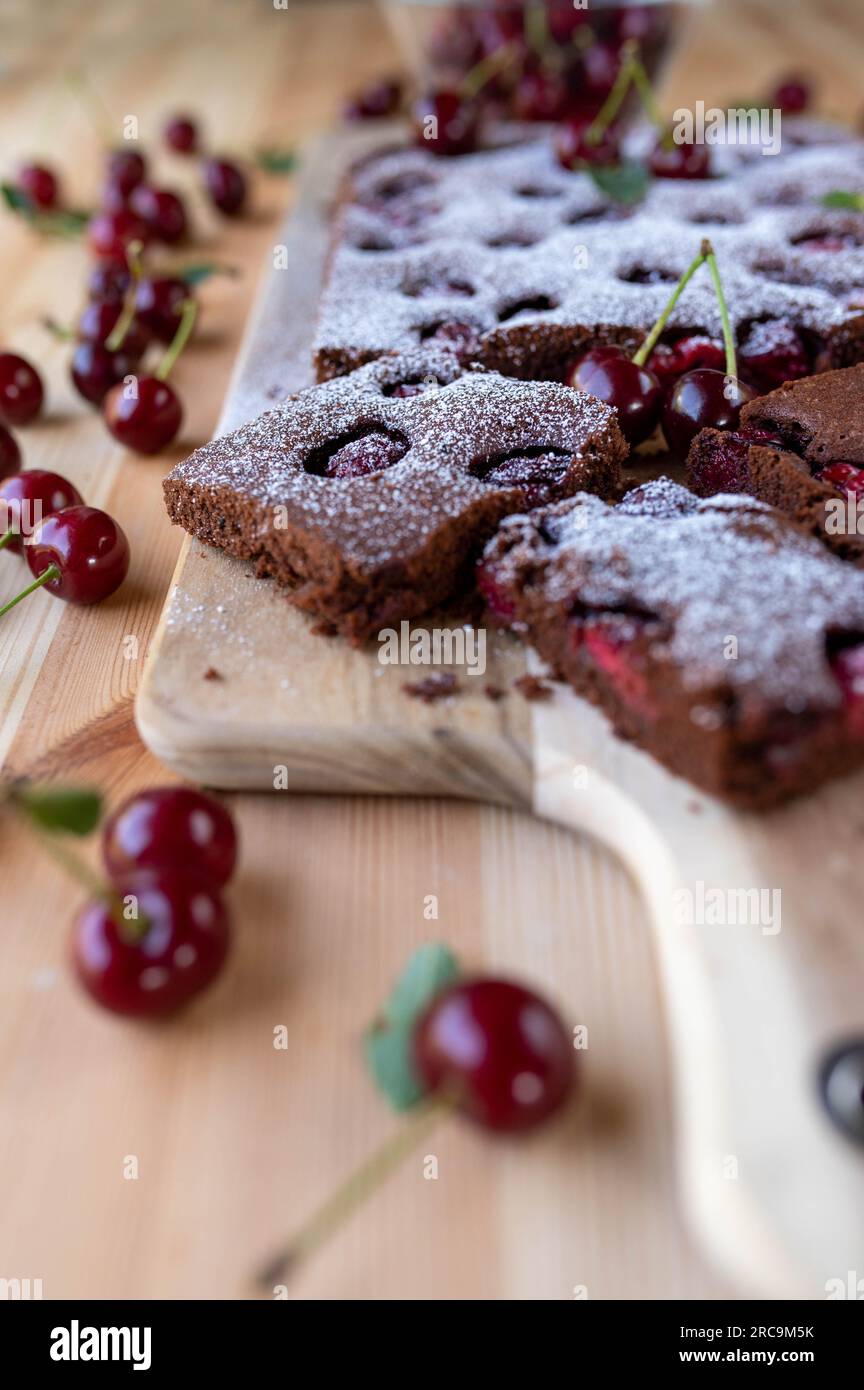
x: 372, y: 496
x: 518, y: 264
x: 714, y: 633
x: 801, y: 449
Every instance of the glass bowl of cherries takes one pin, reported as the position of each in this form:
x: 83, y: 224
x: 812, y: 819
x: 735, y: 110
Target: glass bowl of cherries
x: 533, y: 60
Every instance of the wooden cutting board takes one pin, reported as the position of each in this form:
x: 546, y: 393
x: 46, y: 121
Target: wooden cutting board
x: 240, y: 693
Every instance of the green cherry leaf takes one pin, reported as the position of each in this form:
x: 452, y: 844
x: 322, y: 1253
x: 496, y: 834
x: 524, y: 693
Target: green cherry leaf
x: 15, y: 200
x: 388, y: 1043
x: 275, y: 161
x: 71, y: 810
x: 625, y: 183
x: 854, y: 202
x: 67, y: 222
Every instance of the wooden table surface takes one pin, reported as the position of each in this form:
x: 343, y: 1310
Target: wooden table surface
x: 234, y: 1139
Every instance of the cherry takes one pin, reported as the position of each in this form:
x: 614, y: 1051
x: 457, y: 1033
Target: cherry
x: 180, y: 134
x: 159, y: 305
x: 600, y: 65
x: 536, y: 471
x: 26, y: 498
x: 463, y: 338
x: 171, y: 828
x: 498, y: 1051
x: 21, y: 390
x: 635, y: 392
x: 382, y: 98
x: 144, y: 415
x: 607, y: 639
x: 109, y: 234
x: 682, y: 161
x: 446, y: 123
x: 721, y: 462
x: 575, y: 150
x: 226, y: 184
x: 498, y: 600
x: 126, y: 169
x: 10, y: 453
x: 39, y: 185
x: 98, y: 321
x: 773, y: 352
x: 671, y: 360
x: 541, y: 95
x: 94, y: 370
x: 107, y: 281
x: 846, y: 477
x: 847, y: 664
x: 87, y: 549
x: 702, y: 399
x: 162, y: 212
x: 792, y: 96
x: 357, y: 456
x: 171, y: 949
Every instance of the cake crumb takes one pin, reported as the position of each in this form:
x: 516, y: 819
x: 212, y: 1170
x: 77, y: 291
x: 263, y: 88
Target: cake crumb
x: 211, y: 674
x: 438, y: 686
x: 533, y: 688
x: 494, y: 693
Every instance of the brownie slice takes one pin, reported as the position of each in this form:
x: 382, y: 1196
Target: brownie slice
x: 519, y: 264
x: 715, y: 633
x: 800, y: 448
x: 372, y: 496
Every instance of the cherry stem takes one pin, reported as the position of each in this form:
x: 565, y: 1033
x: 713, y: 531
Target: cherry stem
x: 114, y: 341
x: 642, y: 83
x: 537, y: 28
x: 9, y: 536
x: 615, y: 100
x: 728, y: 335
x: 488, y: 67
x: 179, y: 341
x: 354, y: 1191
x: 97, y: 109
x: 52, y: 572
x: 641, y: 356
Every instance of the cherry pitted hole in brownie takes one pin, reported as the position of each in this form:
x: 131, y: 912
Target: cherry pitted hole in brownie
x: 773, y: 351
x: 537, y: 191
x: 499, y: 603
x: 589, y: 216
x: 404, y: 390
x: 537, y: 471
x: 402, y: 185
x: 827, y: 240
x: 439, y: 286
x: 648, y: 275
x: 371, y: 242
x: 463, y: 338
x: 845, y: 652
x: 357, y: 454
x: 539, y: 304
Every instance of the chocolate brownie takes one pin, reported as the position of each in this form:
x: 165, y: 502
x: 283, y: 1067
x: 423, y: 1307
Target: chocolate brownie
x: 800, y: 448
x: 519, y: 264
x: 372, y: 496
x: 715, y: 633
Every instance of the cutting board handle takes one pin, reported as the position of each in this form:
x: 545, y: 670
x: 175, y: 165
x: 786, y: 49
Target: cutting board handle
x: 759, y: 931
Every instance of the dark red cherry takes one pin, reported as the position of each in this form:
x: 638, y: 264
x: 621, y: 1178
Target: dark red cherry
x: 180, y: 134
x: 99, y: 320
x: 846, y: 477
x: 109, y: 234
x: 541, y: 95
x: 771, y: 353
x: 668, y: 361
x: 382, y: 98
x: 538, y: 472
x: 26, y: 498
x: 720, y: 462
x: 367, y: 453
x: 575, y: 151
x: 446, y: 123
x: 599, y: 68
x: 635, y: 392
x: 226, y: 184
x: 703, y: 399
x: 125, y: 170
x: 39, y: 185
x: 162, y: 212
x: 498, y: 600
x: 680, y: 161
x: 159, y: 305
x: 107, y: 281
x: 498, y: 1052
x: 847, y: 664
x: 89, y: 549
x: 144, y: 415
x: 462, y: 338
x: 10, y: 453
x: 792, y: 96
x: 163, y: 942
x: 21, y: 390
x: 94, y: 370
x: 172, y: 828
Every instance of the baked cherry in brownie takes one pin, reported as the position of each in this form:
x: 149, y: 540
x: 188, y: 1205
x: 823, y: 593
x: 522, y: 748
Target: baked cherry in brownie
x: 575, y: 150
x: 389, y: 497
x: 771, y: 353
x: 498, y: 1051
x: 634, y: 604
x: 684, y: 161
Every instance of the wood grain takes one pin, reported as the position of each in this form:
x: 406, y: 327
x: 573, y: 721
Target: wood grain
x: 236, y: 1140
